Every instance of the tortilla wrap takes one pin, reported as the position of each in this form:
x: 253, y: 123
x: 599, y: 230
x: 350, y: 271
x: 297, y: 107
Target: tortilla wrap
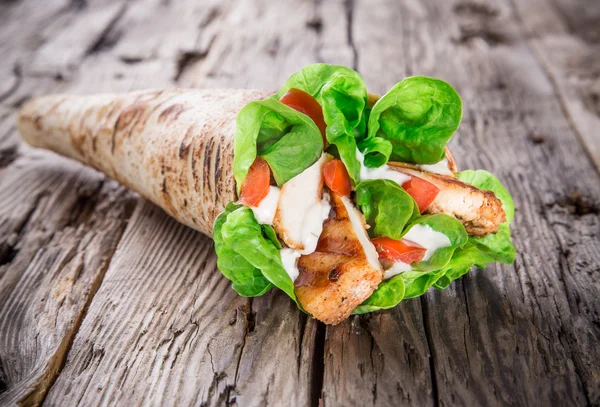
x: 173, y: 147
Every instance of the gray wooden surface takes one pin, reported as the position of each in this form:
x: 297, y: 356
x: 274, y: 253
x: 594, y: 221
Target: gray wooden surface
x: 105, y: 300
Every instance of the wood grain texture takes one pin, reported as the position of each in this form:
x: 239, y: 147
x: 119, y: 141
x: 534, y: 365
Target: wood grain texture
x: 55, y: 246
x: 565, y: 39
x: 159, y: 325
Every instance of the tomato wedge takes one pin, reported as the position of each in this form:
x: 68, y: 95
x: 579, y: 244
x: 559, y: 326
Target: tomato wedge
x: 336, y: 177
x: 399, y: 250
x: 423, y: 192
x: 256, y: 184
x: 305, y: 103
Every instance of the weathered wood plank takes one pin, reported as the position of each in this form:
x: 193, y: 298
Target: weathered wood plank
x: 523, y: 334
x: 565, y: 38
x: 84, y: 34
x: 55, y: 244
x: 59, y: 223
x: 382, y: 359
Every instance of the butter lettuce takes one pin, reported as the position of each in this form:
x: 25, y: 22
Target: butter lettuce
x: 247, y: 280
x: 452, y: 229
x: 418, y: 116
x: 427, y: 272
x: 247, y: 255
x: 388, y: 295
x: 376, y: 151
x: 288, y: 140
x: 387, y: 207
x: 342, y: 94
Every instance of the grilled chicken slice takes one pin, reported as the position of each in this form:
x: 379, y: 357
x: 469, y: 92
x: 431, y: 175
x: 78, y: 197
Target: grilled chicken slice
x: 479, y: 211
x: 301, y: 209
x: 343, y: 271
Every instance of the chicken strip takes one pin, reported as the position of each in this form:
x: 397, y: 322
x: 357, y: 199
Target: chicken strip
x: 479, y: 211
x: 301, y: 208
x: 343, y: 271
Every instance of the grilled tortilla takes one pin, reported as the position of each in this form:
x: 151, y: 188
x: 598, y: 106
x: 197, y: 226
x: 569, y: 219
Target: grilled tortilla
x: 173, y: 147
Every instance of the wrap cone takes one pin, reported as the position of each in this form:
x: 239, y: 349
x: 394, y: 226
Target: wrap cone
x: 173, y: 147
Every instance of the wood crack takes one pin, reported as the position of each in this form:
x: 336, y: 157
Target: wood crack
x: 302, y: 323
x: 349, y: 8
x: 107, y: 38
x: 318, y: 365
x: 429, y: 339
x: 248, y: 327
x: 18, y: 75
x: 188, y: 58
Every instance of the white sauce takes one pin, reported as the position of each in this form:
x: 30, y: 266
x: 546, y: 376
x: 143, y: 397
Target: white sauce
x: 441, y: 167
x: 383, y: 172
x: 301, y: 211
x: 398, y: 268
x: 430, y: 239
x: 359, y: 230
x: 425, y: 236
x: 265, y: 211
x: 289, y: 259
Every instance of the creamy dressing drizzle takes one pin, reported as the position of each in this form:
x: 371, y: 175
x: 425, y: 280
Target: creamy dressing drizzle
x: 441, y: 167
x: 303, y: 219
x: 356, y: 220
x: 425, y: 236
x: 383, y: 172
x: 398, y: 267
x: 265, y: 211
x: 289, y: 259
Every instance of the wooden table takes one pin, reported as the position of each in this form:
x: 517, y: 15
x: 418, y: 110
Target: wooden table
x: 106, y: 300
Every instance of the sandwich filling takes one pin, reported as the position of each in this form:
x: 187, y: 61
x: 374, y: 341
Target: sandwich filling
x: 349, y: 203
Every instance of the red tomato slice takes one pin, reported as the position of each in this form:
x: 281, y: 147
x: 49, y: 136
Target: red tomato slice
x: 256, y: 184
x: 423, y: 192
x: 305, y: 103
x: 337, y: 178
x: 399, y: 250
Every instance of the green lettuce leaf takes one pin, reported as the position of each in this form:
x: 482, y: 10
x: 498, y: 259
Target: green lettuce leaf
x: 418, y: 286
x: 418, y: 116
x: 480, y: 251
x: 342, y: 94
x: 376, y: 151
x: 387, y: 207
x: 288, y: 140
x: 247, y: 280
x: 427, y: 272
x: 270, y: 234
x: 388, y: 295
x: 244, y: 235
x: 462, y: 261
x: 450, y: 227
